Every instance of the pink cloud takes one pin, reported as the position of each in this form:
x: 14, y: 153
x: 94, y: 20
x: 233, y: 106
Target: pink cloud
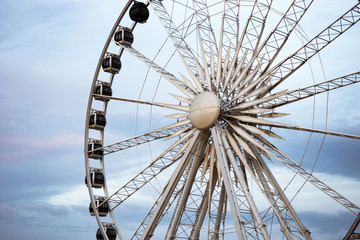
x: 16, y: 148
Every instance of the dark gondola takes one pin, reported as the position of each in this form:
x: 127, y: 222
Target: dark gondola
x: 97, y: 120
x: 110, y: 233
x: 111, y: 64
x: 92, y: 146
x: 139, y: 12
x: 102, y: 89
x: 102, y: 210
x: 97, y: 178
x: 124, y: 36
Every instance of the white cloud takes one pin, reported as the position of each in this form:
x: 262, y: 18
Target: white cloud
x: 71, y: 197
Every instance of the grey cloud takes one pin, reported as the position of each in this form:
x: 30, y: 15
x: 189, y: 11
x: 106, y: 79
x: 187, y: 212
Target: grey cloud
x: 333, y: 226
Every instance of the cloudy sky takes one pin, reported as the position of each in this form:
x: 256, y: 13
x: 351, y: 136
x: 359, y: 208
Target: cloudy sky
x: 48, y: 54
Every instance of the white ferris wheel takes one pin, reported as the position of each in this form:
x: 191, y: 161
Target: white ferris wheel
x: 184, y: 123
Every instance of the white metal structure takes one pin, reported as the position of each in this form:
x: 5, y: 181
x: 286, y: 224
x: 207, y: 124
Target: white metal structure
x: 224, y: 64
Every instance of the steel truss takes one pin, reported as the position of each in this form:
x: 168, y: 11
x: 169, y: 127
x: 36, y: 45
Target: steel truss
x: 288, y: 66
x: 302, y: 93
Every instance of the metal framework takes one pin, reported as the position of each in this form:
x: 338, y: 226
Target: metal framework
x: 288, y: 66
x: 216, y: 176
x: 299, y: 94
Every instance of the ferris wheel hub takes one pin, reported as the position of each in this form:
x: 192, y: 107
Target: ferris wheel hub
x: 204, y: 110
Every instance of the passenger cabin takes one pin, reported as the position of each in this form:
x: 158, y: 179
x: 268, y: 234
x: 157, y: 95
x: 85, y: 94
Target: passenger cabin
x: 124, y: 36
x: 139, y: 12
x: 97, y: 178
x: 97, y: 120
x: 111, y: 64
x: 92, y: 146
x: 110, y: 233
x: 102, y: 210
x: 102, y: 89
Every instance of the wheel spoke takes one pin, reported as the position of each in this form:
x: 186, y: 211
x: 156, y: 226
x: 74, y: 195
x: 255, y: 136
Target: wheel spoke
x: 165, y: 105
x: 145, y: 176
x: 273, y: 44
x: 248, y: 104
x: 230, y: 24
x: 203, y: 208
x: 230, y: 192
x: 220, y: 213
x: 317, y: 182
x: 232, y: 71
x: 289, y: 65
x: 170, y: 187
x: 302, y: 93
x: 241, y: 132
x: 259, y: 222
x: 177, y: 191
x: 320, y: 131
x: 204, y: 28
x: 138, y: 140
x: 171, y: 78
x: 352, y: 228
x: 173, y: 31
x: 180, y: 208
x: 264, y: 122
x: 253, y: 30
x: 182, y: 140
x: 290, y: 224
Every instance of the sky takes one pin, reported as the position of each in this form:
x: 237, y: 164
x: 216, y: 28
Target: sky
x: 48, y: 54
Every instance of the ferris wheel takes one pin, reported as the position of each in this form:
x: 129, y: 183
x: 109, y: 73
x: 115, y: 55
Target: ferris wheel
x: 186, y: 114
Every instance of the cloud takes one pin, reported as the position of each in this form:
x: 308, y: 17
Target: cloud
x: 335, y: 156
x: 325, y: 229
x: 309, y: 202
x: 39, y: 221
x: 70, y: 197
x: 17, y: 148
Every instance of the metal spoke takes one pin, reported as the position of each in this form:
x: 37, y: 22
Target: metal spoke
x: 253, y: 30
x: 138, y: 140
x: 202, y: 209
x: 171, y: 186
x: 352, y: 228
x: 177, y: 192
x: 185, y: 193
x: 230, y: 192
x: 178, y: 39
x: 205, y: 30
x: 230, y: 28
x: 221, y: 213
x: 165, y: 105
x: 273, y: 44
x: 259, y: 222
x: 145, y: 176
x: 302, y: 93
x: 319, y: 131
x: 171, y: 78
x: 278, y: 201
x: 264, y: 122
x: 316, y: 182
x: 288, y: 66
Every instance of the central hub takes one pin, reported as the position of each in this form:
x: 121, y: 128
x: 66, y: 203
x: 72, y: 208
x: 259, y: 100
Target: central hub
x: 204, y: 110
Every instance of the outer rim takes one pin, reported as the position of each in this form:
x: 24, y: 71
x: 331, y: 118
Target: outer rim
x: 86, y: 138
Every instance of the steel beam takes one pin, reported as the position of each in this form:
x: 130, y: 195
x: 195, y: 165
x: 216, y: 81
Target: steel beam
x: 230, y: 192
